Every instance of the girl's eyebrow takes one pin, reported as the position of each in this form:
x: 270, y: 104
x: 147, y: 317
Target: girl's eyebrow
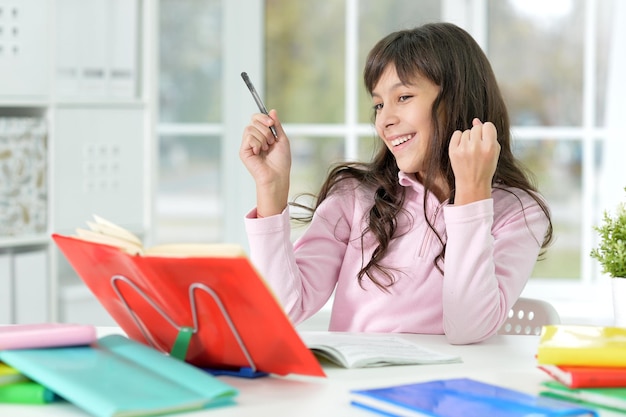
x: 393, y: 87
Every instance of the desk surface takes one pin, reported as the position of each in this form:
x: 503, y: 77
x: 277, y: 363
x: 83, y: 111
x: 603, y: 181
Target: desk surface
x: 503, y: 360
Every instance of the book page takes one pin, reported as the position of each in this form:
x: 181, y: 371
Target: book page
x: 352, y: 350
x: 108, y: 233
x: 109, y: 228
x: 91, y: 236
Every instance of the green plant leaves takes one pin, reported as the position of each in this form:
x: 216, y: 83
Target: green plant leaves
x: 611, y: 251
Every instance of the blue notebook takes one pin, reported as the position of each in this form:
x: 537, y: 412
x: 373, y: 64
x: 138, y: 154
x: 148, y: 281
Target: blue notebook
x: 461, y: 397
x: 117, y: 376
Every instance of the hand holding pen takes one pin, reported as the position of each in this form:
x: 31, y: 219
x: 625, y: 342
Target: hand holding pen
x: 267, y: 157
x: 257, y: 99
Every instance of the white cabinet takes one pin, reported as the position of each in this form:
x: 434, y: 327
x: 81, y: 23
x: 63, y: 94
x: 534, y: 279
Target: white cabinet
x: 6, y: 286
x: 98, y: 166
x: 103, y: 61
x: 31, y: 301
x: 24, y: 284
x: 24, y: 48
x: 75, y: 81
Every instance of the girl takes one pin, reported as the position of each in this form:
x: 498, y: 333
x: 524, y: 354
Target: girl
x: 439, y: 233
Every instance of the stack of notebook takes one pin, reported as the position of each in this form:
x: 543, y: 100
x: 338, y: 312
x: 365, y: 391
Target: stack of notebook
x: 586, y: 364
x: 107, y: 376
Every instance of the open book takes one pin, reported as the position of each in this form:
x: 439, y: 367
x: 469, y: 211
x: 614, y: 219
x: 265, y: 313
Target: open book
x: 205, y: 304
x: 355, y: 350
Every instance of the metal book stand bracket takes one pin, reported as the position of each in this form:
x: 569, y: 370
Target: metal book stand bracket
x: 185, y: 333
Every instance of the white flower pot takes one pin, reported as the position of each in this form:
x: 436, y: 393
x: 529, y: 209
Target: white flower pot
x: 618, y: 286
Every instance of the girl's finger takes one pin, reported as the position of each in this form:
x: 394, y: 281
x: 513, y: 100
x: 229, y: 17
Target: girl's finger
x: 455, y: 140
x: 476, y: 134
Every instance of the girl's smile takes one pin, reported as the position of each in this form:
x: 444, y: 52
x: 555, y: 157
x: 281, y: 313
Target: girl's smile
x: 400, y: 140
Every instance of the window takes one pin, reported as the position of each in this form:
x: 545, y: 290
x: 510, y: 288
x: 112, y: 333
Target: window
x: 558, y: 64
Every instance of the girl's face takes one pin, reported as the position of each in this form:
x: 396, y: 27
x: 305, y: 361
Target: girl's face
x: 403, y: 117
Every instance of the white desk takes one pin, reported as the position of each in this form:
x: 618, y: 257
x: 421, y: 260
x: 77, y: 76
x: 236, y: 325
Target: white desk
x: 504, y: 360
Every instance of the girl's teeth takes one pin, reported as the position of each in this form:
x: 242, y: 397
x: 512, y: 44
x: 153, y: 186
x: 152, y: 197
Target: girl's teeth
x: 398, y: 141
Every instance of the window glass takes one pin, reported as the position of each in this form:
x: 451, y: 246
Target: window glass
x: 190, y: 38
x: 537, y: 54
x: 605, y: 31
x: 556, y: 165
x: 311, y: 160
x: 305, y: 53
x: 369, y: 146
x: 188, y: 204
x: 307, y: 85
x: 379, y: 18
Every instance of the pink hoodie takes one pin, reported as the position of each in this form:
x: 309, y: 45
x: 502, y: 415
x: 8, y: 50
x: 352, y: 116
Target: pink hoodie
x: 492, y: 246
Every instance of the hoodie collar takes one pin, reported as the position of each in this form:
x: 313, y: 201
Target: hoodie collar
x: 408, y: 180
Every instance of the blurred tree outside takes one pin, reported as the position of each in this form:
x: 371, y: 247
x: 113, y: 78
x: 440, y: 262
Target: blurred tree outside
x: 190, y: 60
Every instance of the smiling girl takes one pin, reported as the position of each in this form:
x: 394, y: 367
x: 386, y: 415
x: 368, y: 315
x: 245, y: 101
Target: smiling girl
x: 439, y: 233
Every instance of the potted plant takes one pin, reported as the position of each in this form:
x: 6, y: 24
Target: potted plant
x: 611, y: 253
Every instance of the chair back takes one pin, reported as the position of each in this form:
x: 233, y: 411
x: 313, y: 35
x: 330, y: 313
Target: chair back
x: 528, y: 315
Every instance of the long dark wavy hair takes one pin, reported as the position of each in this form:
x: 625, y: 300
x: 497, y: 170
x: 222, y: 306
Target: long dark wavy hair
x: 449, y: 57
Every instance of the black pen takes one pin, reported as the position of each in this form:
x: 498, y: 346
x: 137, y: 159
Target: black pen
x: 257, y: 99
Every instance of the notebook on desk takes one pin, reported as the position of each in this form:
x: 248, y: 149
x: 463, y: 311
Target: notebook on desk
x: 211, y: 311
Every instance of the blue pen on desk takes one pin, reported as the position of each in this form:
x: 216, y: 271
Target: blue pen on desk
x: 257, y: 99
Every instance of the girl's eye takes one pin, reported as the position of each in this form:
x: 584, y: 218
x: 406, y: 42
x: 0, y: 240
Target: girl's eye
x: 377, y: 107
x: 404, y: 98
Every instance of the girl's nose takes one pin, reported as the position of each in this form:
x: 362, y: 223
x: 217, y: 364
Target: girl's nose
x: 387, y: 117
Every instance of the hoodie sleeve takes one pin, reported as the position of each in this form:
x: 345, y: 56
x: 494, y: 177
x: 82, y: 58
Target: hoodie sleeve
x: 302, y: 275
x: 490, y: 254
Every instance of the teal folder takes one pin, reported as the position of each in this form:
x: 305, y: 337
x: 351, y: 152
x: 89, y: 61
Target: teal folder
x: 118, y: 377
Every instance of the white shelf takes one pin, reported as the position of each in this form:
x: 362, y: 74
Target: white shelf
x: 95, y: 103
x: 23, y: 241
x: 20, y: 102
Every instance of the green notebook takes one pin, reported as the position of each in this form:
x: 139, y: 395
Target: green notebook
x: 28, y: 392
x: 613, y: 398
x: 118, y: 377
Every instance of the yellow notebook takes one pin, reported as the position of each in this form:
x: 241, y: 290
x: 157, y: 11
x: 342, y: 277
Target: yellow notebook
x: 582, y: 346
x: 10, y: 375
